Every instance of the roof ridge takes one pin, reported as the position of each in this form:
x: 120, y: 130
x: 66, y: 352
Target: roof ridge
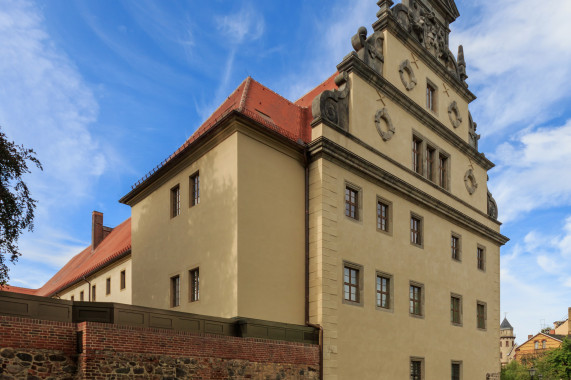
x: 275, y: 93
x: 313, y: 89
x: 242, y: 105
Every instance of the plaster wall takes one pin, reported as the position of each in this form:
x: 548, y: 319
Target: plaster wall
x: 203, y: 236
x: 271, y: 238
x: 563, y: 328
x: 396, y: 53
x: 99, y: 279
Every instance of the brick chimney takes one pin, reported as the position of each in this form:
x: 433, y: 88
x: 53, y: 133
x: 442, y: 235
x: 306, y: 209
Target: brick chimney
x: 529, y: 337
x: 97, y: 229
x: 552, y: 332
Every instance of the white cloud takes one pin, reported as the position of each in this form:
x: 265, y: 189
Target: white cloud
x: 246, y: 25
x: 46, y: 105
x: 517, y: 54
x: 534, y: 172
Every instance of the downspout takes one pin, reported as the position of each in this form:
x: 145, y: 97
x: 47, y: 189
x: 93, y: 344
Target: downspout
x: 88, y: 289
x: 306, y: 167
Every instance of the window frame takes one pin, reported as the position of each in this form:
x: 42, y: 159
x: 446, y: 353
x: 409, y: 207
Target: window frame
x: 194, y: 286
x: 431, y: 151
x: 93, y: 293
x: 123, y: 280
x: 194, y: 185
x: 416, y: 359
x: 459, y: 364
x: 483, y: 261
x: 431, y: 96
x: 81, y: 296
x: 419, y: 232
x: 175, y: 291
x: 443, y: 170
x: 72, y: 298
x: 456, y: 251
x: 359, y: 286
x: 175, y: 201
x: 457, y: 297
x: 417, y: 154
x: 389, y: 215
x: 108, y: 286
x: 390, y: 293
x: 485, y: 316
x: 358, y: 201
x: 431, y: 173
x: 412, y: 300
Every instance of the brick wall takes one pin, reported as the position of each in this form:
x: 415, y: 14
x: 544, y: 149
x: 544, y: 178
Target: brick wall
x: 114, y: 351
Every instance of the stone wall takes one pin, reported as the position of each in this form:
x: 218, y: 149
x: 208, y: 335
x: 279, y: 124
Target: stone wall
x: 37, y: 349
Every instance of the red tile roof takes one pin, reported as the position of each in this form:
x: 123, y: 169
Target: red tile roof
x: 263, y: 105
x: 116, y: 245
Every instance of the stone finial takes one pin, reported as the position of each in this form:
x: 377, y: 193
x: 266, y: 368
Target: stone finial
x: 462, y: 64
x: 385, y: 6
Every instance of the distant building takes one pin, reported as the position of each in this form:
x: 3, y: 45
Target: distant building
x: 562, y: 327
x: 507, y: 342
x: 537, y: 345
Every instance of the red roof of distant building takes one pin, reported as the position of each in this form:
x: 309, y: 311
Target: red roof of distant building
x: 114, y: 246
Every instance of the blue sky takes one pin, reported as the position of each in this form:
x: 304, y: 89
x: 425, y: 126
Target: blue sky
x: 105, y: 90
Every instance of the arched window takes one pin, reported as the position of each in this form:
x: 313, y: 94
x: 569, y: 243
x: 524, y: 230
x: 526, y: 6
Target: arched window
x: 544, y: 344
x: 536, y: 345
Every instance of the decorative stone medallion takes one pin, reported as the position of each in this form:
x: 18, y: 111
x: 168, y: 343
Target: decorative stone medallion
x: 405, y: 69
x: 454, y: 114
x: 470, y: 181
x: 387, y: 134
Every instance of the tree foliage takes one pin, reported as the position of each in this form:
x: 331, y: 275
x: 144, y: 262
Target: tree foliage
x: 16, y: 205
x: 515, y: 371
x: 556, y: 364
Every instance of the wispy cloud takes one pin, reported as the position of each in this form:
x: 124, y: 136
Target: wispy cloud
x: 534, y: 171
x: 518, y: 60
x: 247, y: 25
x: 46, y: 105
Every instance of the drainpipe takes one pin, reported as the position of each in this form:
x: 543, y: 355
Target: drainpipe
x: 88, y: 289
x: 306, y: 167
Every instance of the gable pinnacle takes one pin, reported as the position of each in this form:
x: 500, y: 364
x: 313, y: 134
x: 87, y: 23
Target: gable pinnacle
x: 385, y: 6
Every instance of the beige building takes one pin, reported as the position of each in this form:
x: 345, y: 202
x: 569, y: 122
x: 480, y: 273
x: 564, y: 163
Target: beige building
x: 362, y: 208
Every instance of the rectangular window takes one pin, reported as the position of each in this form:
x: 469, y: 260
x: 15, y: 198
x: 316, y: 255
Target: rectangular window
x: 430, y: 153
x: 351, y: 284
x: 415, y: 300
x: 455, y: 371
x: 108, y: 286
x: 443, y: 171
x: 383, y: 292
x: 123, y: 279
x: 351, y: 202
x: 194, y: 189
x: 481, y: 256
x: 455, y: 247
x: 456, y: 310
x: 175, y: 291
x: 415, y: 230
x: 481, y: 315
x: 430, y: 97
x: 81, y: 295
x: 72, y: 298
x: 415, y: 369
x: 417, y: 155
x: 175, y: 201
x: 194, y: 285
x: 382, y: 216
x: 93, y: 293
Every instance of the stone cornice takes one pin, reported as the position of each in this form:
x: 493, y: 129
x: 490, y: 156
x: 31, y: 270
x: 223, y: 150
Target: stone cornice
x: 388, y: 22
x: 352, y: 63
x: 327, y: 149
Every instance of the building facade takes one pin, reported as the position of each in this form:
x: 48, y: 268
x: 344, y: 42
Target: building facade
x: 362, y: 209
x: 507, y: 342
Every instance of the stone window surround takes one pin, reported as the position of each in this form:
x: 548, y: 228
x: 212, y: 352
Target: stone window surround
x: 359, y: 210
x: 389, y: 205
x: 459, y: 362
x: 174, y: 198
x: 108, y: 286
x: 172, y: 299
x: 421, y: 360
x: 191, y: 285
x: 123, y: 279
x: 458, y: 248
x: 435, y: 97
x: 391, y: 308
x: 360, y: 289
x: 485, y: 315
x: 479, y: 246
x: 458, y: 296
x: 425, y: 143
x: 422, y: 297
x: 193, y: 200
x: 420, y: 229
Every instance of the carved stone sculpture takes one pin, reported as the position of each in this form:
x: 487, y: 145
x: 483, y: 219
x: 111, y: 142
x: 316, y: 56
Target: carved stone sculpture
x: 333, y: 106
x: 492, y: 207
x: 454, y: 114
x: 369, y: 50
x: 462, y: 65
x: 383, y: 115
x: 405, y: 70
x: 470, y: 181
x: 473, y: 137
